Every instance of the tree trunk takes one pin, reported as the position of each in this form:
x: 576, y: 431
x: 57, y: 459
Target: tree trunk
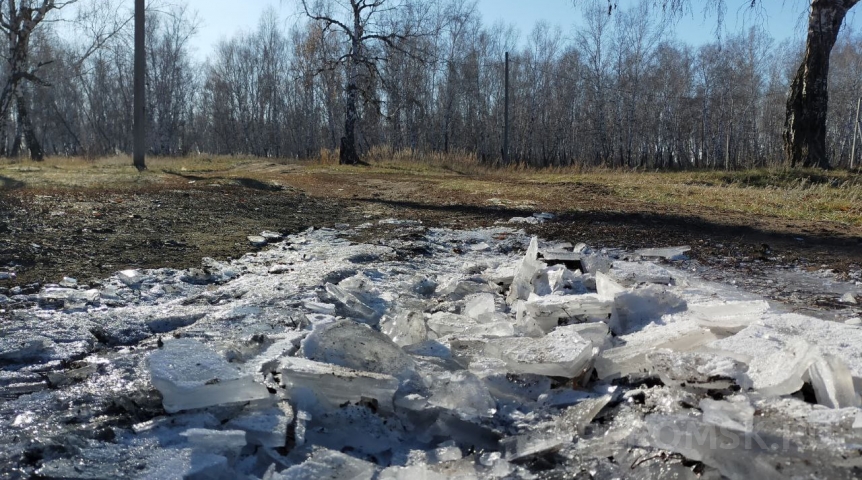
x: 25, y: 125
x: 140, y: 90
x: 807, y: 103
x: 349, y: 154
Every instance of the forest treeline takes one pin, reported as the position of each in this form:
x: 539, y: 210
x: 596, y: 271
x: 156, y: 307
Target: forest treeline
x: 617, y: 91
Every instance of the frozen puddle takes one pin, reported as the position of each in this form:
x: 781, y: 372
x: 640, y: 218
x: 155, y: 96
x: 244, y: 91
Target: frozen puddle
x: 454, y: 354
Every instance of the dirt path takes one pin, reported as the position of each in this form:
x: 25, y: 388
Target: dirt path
x: 88, y: 234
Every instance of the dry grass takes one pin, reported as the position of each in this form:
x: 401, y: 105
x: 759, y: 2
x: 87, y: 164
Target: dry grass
x: 780, y: 193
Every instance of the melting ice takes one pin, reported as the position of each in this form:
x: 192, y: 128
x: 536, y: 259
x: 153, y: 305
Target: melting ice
x: 486, y: 355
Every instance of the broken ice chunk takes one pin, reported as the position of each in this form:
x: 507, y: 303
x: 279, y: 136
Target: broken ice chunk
x: 479, y: 306
x: 564, y: 397
x: 639, y: 306
x: 350, y: 304
x: 411, y: 472
x: 525, y: 272
x: 728, y: 317
x: 271, y: 236
x: 735, y: 413
x: 776, y: 363
x: 67, y: 296
x: 596, y: 263
x: 353, y: 345
x: 596, y: 332
x: 629, y: 273
x: 561, y: 280
x: 257, y: 241
x: 325, y: 463
x: 131, y: 278
x: 669, y: 253
x: 224, y: 442
x: 442, y: 324
x: 832, y: 382
x: 19, y: 346
x: 190, y: 375
x: 266, y: 427
x: 577, y: 417
x: 186, y: 463
x: 333, y: 385
x: 562, y: 353
x: 463, y: 393
x: 407, y: 327
x: 631, y: 357
x: 696, y: 370
x: 848, y: 298
x: 320, y: 307
x: 447, y: 451
x: 734, y: 457
x: 502, y: 384
x: 547, y: 311
x: 606, y: 287
x: 529, y: 444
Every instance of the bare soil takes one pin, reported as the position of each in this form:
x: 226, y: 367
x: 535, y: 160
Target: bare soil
x: 90, y: 233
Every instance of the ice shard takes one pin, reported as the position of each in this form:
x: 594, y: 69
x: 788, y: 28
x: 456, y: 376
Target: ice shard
x: 324, y: 464
x: 734, y: 413
x: 776, y: 363
x: 332, y: 385
x: 547, y: 311
x: 832, y: 382
x: 351, y: 306
x: 631, y: 357
x: 189, y: 375
x: 562, y: 353
x: 525, y: 273
x: 463, y: 393
x: 406, y: 327
x: 629, y: 273
x: 668, y: 253
x: 356, y: 346
x: 266, y: 427
x: 728, y: 317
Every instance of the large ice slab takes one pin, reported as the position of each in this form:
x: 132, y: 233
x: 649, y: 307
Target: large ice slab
x: 777, y: 362
x: 528, y: 444
x: 637, y: 307
x: 266, y: 427
x: 190, y: 375
x: 547, y: 311
x: 728, y: 317
x: 697, y: 370
x: 562, y: 353
x: 442, y: 324
x: 332, y: 385
x: 324, y: 464
x: 406, y: 327
x: 462, y: 392
x: 668, y: 253
x: 502, y: 384
x: 350, y: 305
x: 353, y: 345
x: 631, y: 357
x: 629, y: 273
x: 525, y: 273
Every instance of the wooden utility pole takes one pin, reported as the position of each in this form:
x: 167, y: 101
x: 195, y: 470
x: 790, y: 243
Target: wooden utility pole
x: 855, y: 130
x: 140, y: 133
x: 506, y: 115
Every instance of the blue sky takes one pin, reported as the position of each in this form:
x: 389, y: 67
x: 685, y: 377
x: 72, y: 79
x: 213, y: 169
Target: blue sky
x: 782, y: 18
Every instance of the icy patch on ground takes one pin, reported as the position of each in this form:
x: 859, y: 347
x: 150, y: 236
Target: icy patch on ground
x: 488, y: 355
